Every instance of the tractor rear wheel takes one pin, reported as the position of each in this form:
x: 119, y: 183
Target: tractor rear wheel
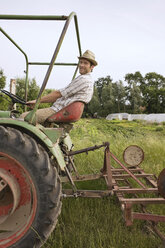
x: 30, y: 191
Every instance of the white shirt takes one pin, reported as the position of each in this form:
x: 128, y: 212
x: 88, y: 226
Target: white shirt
x: 80, y: 89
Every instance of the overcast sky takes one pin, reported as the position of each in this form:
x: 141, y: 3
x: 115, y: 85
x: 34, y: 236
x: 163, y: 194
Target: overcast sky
x: 125, y: 35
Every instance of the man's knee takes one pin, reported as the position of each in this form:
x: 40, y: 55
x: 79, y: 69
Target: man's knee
x: 41, y: 114
x: 22, y: 116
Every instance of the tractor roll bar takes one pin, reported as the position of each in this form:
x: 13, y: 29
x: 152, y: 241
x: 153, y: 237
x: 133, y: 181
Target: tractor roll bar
x: 26, y: 59
x: 67, y: 20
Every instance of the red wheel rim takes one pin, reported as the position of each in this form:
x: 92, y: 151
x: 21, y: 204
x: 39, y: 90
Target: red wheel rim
x: 18, y: 200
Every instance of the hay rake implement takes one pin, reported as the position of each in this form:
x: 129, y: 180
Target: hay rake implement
x: 131, y: 185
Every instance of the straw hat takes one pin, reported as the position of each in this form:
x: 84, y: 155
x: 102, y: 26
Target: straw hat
x: 89, y: 56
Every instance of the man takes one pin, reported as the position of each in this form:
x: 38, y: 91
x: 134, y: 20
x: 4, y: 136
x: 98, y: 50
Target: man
x: 80, y: 89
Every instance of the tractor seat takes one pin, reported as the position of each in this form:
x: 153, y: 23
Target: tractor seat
x: 69, y: 114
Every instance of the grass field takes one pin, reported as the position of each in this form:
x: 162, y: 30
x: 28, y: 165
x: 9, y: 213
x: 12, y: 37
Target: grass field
x: 98, y: 223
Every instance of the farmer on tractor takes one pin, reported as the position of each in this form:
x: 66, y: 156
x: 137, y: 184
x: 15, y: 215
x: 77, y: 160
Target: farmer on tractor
x: 80, y: 89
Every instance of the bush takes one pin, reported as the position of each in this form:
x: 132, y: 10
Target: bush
x: 159, y: 129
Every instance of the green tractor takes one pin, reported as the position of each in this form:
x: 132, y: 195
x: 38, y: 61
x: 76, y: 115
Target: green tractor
x: 35, y: 159
x: 31, y: 162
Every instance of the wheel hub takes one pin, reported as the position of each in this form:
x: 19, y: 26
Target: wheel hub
x: 17, y: 200
x: 161, y: 183
x: 10, y: 194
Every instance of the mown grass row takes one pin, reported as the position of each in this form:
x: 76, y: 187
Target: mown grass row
x: 98, y: 223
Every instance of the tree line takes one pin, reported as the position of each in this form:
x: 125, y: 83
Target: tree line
x: 137, y: 94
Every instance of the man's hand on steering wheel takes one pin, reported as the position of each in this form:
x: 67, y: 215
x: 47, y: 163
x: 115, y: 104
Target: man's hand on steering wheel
x: 31, y: 103
x: 17, y: 99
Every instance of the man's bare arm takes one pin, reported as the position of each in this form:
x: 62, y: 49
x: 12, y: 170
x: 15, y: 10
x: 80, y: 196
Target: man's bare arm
x: 51, y: 97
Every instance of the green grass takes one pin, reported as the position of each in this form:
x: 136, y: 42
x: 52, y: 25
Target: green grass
x: 98, y: 223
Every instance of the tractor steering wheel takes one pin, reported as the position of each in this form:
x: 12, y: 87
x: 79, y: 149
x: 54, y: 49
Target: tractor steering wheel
x: 14, y: 98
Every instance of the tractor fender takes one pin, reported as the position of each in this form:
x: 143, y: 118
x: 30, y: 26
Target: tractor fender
x: 47, y: 136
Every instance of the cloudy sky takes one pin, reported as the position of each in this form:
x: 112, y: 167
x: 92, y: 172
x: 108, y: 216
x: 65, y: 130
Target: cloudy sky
x: 125, y: 35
